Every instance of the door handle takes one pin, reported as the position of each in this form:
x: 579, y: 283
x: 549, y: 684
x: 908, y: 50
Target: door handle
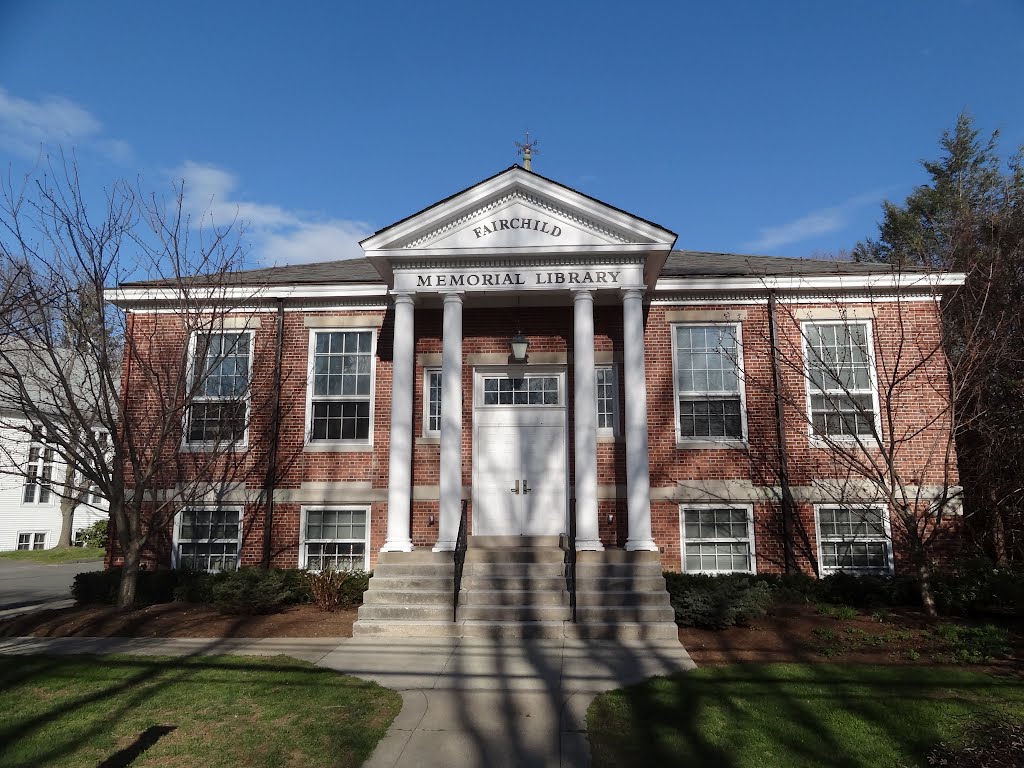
x: 526, y: 488
x: 515, y: 488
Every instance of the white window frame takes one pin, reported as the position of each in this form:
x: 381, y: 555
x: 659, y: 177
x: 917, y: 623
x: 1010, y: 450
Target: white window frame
x: 427, y: 373
x: 206, y: 445
x: 38, y: 484
x: 176, y: 539
x: 819, y: 440
x: 32, y: 541
x: 748, y: 508
x: 303, y: 541
x: 482, y: 375
x: 338, y: 445
x: 889, y: 567
x: 710, y: 442
x: 613, y: 430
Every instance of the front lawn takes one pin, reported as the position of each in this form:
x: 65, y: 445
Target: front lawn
x: 794, y: 715
x: 55, y: 556
x: 209, y: 711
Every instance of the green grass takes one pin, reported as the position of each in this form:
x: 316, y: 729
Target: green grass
x: 55, y: 556
x: 222, y: 711
x: 793, y: 715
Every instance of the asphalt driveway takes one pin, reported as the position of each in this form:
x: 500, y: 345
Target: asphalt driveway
x: 24, y: 584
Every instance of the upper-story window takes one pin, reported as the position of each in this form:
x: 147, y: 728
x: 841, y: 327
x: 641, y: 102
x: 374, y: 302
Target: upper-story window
x: 709, y: 394
x: 39, y: 470
x: 842, y: 397
x: 342, y: 386
x: 220, y: 403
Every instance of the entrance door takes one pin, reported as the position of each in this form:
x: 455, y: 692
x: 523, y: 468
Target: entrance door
x: 519, y: 467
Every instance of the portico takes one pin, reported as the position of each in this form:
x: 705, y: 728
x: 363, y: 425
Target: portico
x: 465, y: 252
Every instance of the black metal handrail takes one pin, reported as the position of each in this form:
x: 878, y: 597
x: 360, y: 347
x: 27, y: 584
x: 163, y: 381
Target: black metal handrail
x: 461, y: 542
x: 571, y: 557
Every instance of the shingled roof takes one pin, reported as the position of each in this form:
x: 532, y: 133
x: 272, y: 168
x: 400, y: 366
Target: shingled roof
x: 679, y: 264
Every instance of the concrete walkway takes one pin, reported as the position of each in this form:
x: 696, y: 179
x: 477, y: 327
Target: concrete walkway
x: 466, y: 702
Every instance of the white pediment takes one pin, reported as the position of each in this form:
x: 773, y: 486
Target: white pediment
x: 516, y: 215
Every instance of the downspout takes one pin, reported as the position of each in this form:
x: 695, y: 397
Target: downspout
x: 788, y: 504
x: 270, y: 483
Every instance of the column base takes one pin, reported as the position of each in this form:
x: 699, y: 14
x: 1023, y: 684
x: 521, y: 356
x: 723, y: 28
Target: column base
x: 397, y: 546
x: 642, y: 545
x: 444, y: 546
x: 589, y: 545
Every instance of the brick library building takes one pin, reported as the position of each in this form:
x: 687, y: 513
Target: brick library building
x: 543, y: 383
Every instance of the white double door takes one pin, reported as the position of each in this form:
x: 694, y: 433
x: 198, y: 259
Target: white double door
x: 519, y: 472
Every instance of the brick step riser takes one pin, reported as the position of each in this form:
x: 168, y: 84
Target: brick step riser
x: 514, y: 613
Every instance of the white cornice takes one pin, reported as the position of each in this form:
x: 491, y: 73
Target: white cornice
x: 887, y: 280
x: 126, y: 296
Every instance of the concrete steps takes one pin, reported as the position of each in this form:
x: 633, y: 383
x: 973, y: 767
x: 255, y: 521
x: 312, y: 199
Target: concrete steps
x: 516, y: 587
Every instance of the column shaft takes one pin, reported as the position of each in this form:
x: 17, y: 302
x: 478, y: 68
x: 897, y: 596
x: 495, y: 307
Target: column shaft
x: 585, y: 422
x: 451, y: 424
x: 638, y: 473
x: 400, y: 457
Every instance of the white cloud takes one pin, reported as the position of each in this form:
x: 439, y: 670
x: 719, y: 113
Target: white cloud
x: 820, y: 222
x: 26, y: 126
x: 279, y: 235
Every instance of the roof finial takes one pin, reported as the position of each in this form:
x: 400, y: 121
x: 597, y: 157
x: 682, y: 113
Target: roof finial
x: 526, y: 149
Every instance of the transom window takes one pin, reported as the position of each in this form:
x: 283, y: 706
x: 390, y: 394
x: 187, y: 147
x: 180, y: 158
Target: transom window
x: 522, y: 390
x: 342, y: 385
x: 208, y: 539
x: 606, y: 400
x: 707, y: 381
x: 718, y: 540
x: 853, y: 539
x: 39, y: 470
x: 335, y: 539
x: 32, y: 540
x: 839, y: 376
x: 219, y: 409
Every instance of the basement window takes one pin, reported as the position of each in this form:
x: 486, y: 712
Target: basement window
x: 334, y: 539
x: 718, y: 539
x: 208, y: 539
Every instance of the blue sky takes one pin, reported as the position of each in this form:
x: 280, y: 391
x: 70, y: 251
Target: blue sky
x: 760, y: 127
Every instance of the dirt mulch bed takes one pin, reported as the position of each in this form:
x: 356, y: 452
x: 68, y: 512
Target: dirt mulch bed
x: 178, y: 620
x: 801, y: 635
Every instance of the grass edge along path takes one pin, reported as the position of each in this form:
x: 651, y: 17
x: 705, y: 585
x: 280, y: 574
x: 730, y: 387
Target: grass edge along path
x: 215, y: 711
x: 54, y: 556
x: 786, y: 715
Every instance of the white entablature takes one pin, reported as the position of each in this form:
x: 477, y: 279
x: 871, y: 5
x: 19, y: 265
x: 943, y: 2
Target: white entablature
x: 518, y: 217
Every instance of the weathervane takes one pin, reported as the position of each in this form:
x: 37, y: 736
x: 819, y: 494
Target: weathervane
x: 526, y: 149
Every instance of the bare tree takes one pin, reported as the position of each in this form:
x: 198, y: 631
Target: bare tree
x: 148, y: 415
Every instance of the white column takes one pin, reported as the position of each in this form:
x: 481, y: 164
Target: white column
x: 638, y: 472
x: 451, y: 424
x: 585, y: 421
x: 400, y: 458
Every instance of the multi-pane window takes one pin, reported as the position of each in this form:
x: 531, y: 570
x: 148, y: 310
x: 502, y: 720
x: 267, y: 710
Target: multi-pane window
x: 606, y: 399
x: 853, y: 538
x: 32, y: 540
x: 717, y: 540
x: 521, y: 390
x: 707, y: 381
x: 208, y: 539
x: 342, y: 385
x: 432, y: 404
x: 839, y: 376
x: 39, y: 470
x: 335, y: 539
x: 219, y: 407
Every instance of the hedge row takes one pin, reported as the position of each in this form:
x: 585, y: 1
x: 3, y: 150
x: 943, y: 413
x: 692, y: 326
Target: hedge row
x: 245, y: 591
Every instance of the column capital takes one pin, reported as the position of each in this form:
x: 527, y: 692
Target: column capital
x: 581, y: 294
x: 454, y: 297
x: 403, y: 298
x: 633, y: 293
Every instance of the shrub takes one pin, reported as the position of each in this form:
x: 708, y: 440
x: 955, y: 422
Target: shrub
x: 979, y: 585
x: 333, y: 589
x: 93, y: 536
x: 102, y: 586
x: 717, y: 601
x: 250, y: 591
